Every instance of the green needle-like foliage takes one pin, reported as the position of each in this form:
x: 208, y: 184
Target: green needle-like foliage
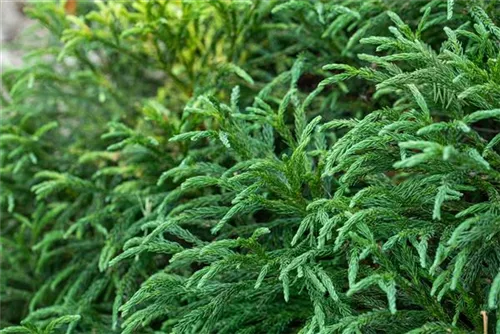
x: 253, y: 166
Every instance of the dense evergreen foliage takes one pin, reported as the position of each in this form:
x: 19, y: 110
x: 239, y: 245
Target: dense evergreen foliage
x: 254, y: 166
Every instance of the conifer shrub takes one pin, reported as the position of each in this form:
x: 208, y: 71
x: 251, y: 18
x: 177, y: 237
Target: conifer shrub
x: 254, y: 167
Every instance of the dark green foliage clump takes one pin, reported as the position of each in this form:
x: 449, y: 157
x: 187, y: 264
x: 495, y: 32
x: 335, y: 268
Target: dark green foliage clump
x: 254, y: 167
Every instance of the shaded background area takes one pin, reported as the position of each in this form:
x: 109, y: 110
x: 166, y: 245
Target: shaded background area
x: 12, y: 23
